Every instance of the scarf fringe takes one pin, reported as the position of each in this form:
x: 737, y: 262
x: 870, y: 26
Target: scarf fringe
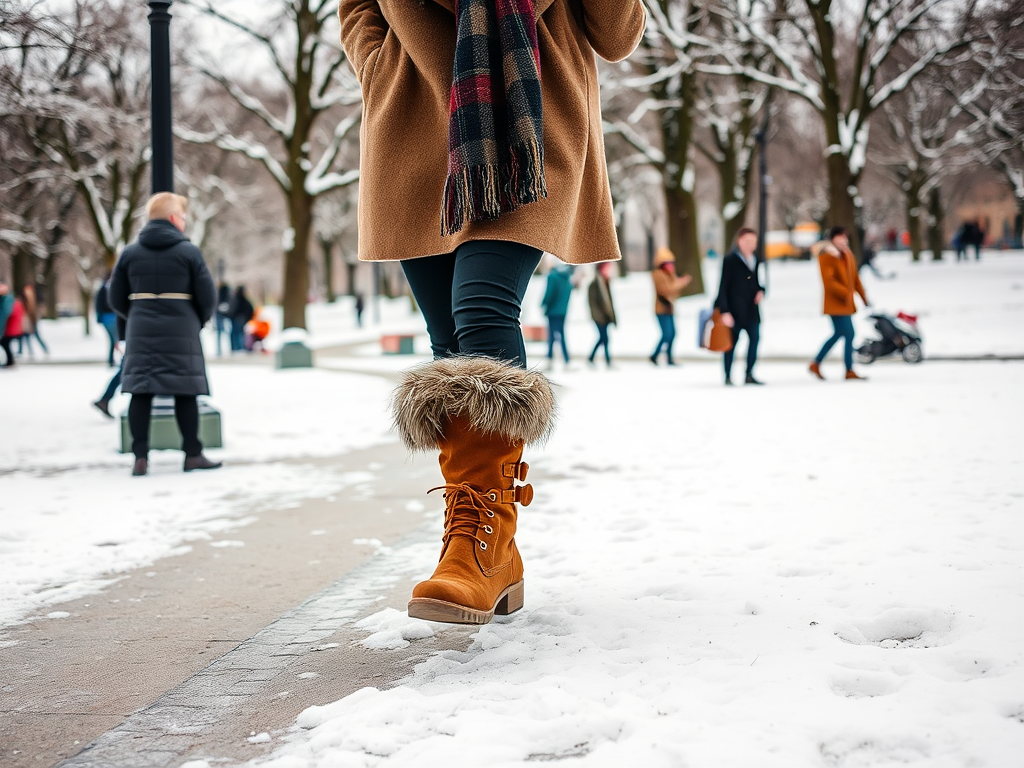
x: 484, y: 192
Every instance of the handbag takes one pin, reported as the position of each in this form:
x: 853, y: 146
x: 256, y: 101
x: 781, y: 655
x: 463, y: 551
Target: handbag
x: 720, y: 338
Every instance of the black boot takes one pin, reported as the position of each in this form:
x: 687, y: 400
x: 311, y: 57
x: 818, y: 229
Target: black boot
x: 104, y: 408
x: 200, y: 462
x: 752, y: 380
x: 141, y: 466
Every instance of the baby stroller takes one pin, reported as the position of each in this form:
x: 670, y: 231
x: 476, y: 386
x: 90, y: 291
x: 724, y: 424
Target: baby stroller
x: 899, y: 334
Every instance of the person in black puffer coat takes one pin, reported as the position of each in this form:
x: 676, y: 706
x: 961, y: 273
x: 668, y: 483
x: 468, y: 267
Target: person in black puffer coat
x: 165, y: 293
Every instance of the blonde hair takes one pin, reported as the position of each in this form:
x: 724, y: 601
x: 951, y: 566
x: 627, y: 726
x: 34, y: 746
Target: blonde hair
x: 163, y: 205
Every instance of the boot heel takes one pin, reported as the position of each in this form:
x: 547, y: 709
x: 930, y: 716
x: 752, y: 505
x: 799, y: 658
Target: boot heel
x: 512, y: 601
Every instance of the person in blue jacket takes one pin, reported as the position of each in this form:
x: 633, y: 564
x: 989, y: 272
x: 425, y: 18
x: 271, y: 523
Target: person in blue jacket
x: 556, y: 307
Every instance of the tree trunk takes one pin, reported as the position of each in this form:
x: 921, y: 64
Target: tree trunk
x: 21, y: 269
x: 296, y: 260
x: 327, y: 247
x: 914, y: 221
x: 681, y: 211
x: 50, y: 281
x: 85, y: 294
x: 842, y: 211
x: 936, y: 223
x: 350, y: 272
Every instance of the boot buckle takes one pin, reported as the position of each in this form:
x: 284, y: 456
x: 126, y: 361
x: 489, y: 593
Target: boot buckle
x: 516, y: 470
x: 522, y: 494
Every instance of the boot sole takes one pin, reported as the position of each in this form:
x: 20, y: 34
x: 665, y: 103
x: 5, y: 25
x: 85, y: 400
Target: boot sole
x: 509, y: 601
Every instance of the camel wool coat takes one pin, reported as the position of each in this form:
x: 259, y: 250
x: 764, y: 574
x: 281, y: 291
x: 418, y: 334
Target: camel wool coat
x: 403, y: 52
x: 839, y: 278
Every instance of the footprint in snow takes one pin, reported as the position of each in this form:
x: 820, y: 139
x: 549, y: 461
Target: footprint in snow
x: 848, y: 752
x: 900, y: 628
x: 855, y: 684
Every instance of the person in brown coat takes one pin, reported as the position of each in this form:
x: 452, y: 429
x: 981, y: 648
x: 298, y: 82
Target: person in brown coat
x: 480, y: 149
x: 667, y: 288
x: 602, y: 309
x: 840, y: 280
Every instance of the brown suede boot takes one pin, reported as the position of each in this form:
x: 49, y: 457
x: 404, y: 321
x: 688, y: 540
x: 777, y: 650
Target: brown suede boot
x: 851, y: 375
x: 815, y: 369
x: 480, y: 413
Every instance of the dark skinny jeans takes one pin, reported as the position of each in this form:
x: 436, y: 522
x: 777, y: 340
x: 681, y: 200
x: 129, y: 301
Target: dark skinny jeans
x: 753, y: 332
x: 186, y: 412
x: 667, y: 323
x: 842, y: 329
x: 472, y: 298
x: 556, y: 330
x: 602, y: 341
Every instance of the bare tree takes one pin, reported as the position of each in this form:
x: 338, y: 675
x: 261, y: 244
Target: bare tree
x: 925, y: 144
x: 307, y: 79
x: 835, y: 63
x: 75, y: 92
x: 997, y: 66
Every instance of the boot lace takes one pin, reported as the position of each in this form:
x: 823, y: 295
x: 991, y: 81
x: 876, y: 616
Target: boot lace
x: 464, y: 505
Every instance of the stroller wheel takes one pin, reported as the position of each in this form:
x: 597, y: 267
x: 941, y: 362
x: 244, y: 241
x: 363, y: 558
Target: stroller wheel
x: 865, y: 354
x: 912, y: 353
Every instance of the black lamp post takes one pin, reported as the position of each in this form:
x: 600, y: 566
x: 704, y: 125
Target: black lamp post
x: 160, y: 95
x: 762, y: 203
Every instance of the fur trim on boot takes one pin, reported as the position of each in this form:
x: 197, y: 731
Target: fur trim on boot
x: 495, y: 397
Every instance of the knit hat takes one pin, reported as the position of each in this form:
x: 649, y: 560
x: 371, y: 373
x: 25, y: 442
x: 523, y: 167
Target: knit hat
x: 663, y: 256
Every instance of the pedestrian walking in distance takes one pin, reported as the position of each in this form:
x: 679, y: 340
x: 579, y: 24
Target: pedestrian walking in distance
x: 840, y: 280
x: 602, y: 309
x: 555, y: 303
x: 739, y: 297
x: 164, y: 292
x: 30, y: 323
x: 107, y: 318
x: 241, y: 312
x: 11, y: 313
x: 474, y: 162
x: 667, y: 288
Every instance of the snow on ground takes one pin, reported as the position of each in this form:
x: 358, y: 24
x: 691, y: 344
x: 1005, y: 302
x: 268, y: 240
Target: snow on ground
x: 805, y: 574
x: 808, y: 574
x: 71, y: 515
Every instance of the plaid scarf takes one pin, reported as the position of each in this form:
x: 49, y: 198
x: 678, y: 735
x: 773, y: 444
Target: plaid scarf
x: 495, y: 127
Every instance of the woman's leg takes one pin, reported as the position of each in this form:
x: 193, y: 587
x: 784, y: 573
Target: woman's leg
x: 561, y: 337
x: 489, y: 283
x: 46, y: 350
x: 831, y: 342
x: 115, y: 382
x: 110, y: 326
x: 5, y: 345
x: 139, y: 410
x: 663, y: 325
x: 845, y: 327
x: 670, y: 336
x: 430, y: 279
x: 552, y: 330
x: 186, y: 413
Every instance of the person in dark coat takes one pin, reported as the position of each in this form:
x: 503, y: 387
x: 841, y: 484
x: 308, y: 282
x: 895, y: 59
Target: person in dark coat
x: 739, y: 294
x: 602, y: 309
x: 973, y: 235
x: 221, y: 320
x: 164, y: 292
x: 241, y: 312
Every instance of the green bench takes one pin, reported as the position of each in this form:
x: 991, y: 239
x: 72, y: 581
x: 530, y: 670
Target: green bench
x: 164, y: 434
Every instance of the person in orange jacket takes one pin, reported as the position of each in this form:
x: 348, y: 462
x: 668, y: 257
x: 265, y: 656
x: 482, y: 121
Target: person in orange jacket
x: 840, y: 280
x: 667, y: 288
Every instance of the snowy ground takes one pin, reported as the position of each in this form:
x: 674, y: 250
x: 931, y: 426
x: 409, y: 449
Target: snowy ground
x: 808, y: 574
